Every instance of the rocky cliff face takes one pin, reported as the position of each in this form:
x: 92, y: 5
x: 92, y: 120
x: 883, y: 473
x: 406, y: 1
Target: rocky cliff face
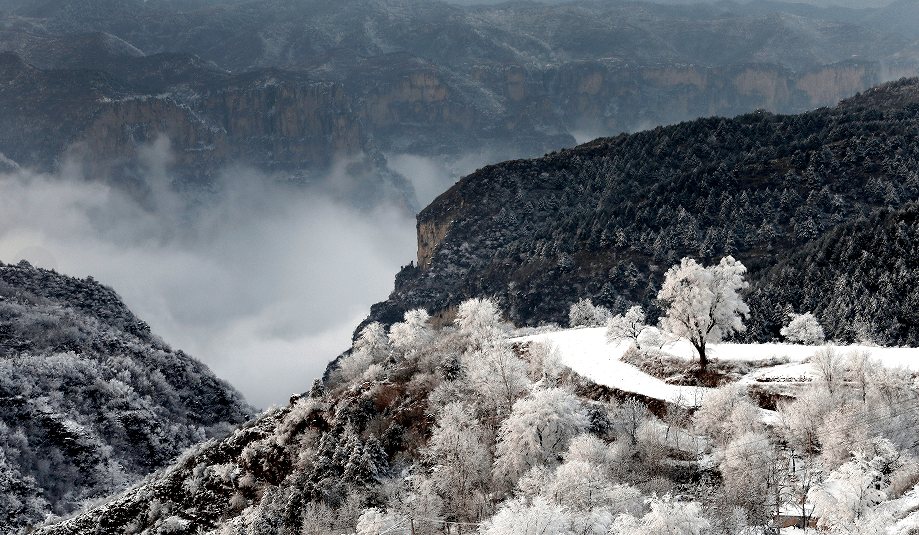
x: 271, y: 125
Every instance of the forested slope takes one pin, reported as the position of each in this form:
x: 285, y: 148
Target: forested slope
x: 90, y: 400
x: 861, y: 279
x: 605, y: 220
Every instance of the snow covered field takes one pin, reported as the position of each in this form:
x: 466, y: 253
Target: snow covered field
x: 587, y: 352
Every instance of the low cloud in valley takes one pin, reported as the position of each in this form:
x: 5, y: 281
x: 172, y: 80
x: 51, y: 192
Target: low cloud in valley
x: 263, y: 282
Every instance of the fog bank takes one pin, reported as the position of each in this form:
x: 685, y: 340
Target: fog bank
x: 263, y: 282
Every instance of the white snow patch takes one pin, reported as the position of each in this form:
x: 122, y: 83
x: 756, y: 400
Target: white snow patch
x: 586, y: 352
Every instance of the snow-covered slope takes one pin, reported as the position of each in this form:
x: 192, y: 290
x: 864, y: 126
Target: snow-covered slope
x: 587, y: 352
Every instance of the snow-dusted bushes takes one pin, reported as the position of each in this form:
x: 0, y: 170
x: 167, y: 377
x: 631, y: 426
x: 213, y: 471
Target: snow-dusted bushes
x: 626, y: 326
x: 537, y: 431
x: 666, y: 517
x: 585, y: 314
x: 803, y: 329
x: 727, y: 413
x: 539, y: 517
x: 651, y: 338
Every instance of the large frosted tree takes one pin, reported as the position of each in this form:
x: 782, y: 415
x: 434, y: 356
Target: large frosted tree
x: 537, y: 432
x: 461, y: 460
x: 703, y: 302
x: 480, y: 319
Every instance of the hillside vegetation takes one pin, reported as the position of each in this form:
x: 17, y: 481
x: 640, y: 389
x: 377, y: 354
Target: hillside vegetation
x: 860, y: 279
x: 468, y: 428
x: 90, y: 400
x: 605, y: 219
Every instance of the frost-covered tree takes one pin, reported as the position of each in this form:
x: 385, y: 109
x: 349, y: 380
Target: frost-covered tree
x: 373, y: 521
x: 666, y: 517
x: 586, y: 488
x: 517, y: 517
x: 412, y: 333
x: 353, y: 365
x: 590, y: 449
x: 803, y: 329
x: 755, y: 477
x: 317, y: 519
x: 628, y: 419
x: 499, y: 377
x: 860, y: 371
x: 534, y: 482
x: 537, y: 432
x: 460, y: 459
x: 365, y: 463
x: 703, y: 304
x: 727, y: 413
x: 543, y: 361
x: 802, y: 419
x: 849, y: 492
x: 651, y: 338
x: 480, y: 319
x: 585, y: 314
x: 373, y: 341
x: 20, y: 502
x: 579, y: 485
x: 370, y: 347
x: 828, y: 364
x: 426, y: 503
x: 317, y: 390
x: 584, y: 485
x: 844, y: 429
x: 625, y: 326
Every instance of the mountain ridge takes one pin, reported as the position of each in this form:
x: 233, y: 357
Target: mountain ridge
x: 90, y: 399
x: 422, y: 78
x: 605, y: 219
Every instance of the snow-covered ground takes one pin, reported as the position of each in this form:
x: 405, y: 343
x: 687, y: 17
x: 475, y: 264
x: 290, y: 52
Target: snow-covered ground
x: 587, y: 352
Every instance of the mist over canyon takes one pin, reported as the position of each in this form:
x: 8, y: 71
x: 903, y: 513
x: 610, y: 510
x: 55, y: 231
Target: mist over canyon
x: 264, y: 282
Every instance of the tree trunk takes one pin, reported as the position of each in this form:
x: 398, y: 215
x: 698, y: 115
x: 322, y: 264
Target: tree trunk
x: 703, y: 359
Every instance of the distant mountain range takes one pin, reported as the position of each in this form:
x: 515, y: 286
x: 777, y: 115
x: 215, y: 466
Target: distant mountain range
x: 288, y: 85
